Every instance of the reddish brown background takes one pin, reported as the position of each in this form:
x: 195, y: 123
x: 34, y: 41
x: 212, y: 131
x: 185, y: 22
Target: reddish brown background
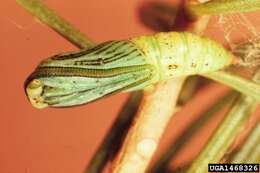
x: 63, y: 140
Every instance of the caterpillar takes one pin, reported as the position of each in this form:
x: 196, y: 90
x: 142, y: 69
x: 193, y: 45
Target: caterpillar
x: 78, y: 78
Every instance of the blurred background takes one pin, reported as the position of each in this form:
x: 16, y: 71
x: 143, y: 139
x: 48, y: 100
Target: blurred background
x: 63, y: 140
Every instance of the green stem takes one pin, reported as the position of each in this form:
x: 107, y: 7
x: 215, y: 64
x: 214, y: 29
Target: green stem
x: 224, y: 6
x: 250, y: 151
x: 225, y: 134
x: 53, y: 20
x: 238, y: 83
x: 185, y: 136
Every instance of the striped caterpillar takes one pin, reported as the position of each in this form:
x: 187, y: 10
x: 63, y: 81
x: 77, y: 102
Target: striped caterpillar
x: 87, y: 75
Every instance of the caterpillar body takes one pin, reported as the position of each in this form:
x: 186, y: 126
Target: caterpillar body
x: 80, y: 77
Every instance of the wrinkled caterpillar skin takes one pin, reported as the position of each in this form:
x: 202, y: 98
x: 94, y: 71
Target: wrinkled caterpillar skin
x: 178, y: 54
x: 81, y: 77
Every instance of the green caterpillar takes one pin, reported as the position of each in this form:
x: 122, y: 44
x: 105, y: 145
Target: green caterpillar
x: 80, y: 77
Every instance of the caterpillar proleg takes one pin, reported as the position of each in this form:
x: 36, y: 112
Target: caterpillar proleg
x: 80, y: 77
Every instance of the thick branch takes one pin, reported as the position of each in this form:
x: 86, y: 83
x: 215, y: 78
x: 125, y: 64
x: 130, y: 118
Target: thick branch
x: 142, y: 139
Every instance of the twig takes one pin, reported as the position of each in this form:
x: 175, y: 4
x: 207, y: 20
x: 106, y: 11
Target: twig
x: 53, y: 20
x: 250, y: 149
x: 173, y: 148
x: 249, y: 153
x: 143, y: 137
x: 225, y: 134
x: 224, y: 6
x: 238, y: 83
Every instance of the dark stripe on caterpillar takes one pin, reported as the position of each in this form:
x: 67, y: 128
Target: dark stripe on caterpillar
x: 83, y: 72
x: 77, y: 54
x: 106, y: 60
x: 132, y: 85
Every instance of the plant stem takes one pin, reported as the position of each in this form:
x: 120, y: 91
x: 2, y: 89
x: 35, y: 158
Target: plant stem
x: 225, y: 134
x: 143, y: 137
x: 170, y: 152
x: 250, y: 150
x: 53, y: 20
x: 249, y: 153
x: 227, y: 131
x: 231, y: 126
x: 238, y: 83
x: 223, y: 6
